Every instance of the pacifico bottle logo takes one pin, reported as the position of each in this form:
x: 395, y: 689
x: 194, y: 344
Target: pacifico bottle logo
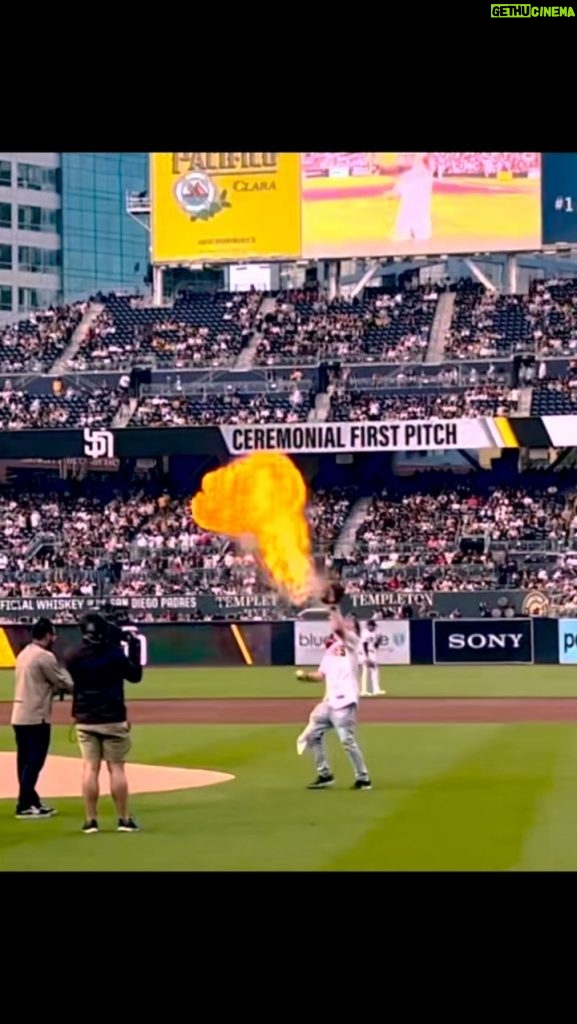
x: 198, y: 196
x: 197, y: 192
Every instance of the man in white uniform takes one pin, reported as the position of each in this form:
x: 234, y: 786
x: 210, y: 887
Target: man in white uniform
x: 370, y: 641
x: 339, y: 670
x: 415, y: 191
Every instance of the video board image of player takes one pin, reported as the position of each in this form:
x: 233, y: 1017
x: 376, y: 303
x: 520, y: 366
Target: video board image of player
x: 395, y: 204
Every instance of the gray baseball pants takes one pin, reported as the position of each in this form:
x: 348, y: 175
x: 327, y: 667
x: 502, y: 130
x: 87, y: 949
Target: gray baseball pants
x: 344, y: 722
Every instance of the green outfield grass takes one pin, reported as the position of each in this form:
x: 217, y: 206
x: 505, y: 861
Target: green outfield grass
x: 445, y: 797
x: 452, y: 797
x: 401, y: 681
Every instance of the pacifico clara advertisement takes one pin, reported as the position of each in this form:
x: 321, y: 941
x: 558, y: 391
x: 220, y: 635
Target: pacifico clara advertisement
x: 225, y: 206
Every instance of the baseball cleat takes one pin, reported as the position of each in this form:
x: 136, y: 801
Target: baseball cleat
x: 90, y: 827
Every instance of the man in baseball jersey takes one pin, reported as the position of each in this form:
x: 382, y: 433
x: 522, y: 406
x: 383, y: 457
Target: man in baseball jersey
x: 370, y: 641
x: 339, y: 671
x: 415, y: 191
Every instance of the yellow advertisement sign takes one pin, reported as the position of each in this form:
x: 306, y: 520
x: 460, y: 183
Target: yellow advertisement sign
x: 225, y: 206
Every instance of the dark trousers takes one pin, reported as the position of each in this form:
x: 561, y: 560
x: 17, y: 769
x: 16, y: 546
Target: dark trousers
x: 32, y: 743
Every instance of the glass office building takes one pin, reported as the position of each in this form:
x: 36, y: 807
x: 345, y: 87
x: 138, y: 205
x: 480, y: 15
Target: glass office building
x: 30, y: 232
x: 103, y: 248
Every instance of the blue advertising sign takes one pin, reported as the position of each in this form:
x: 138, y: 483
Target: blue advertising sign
x: 559, y: 197
x: 483, y: 642
x: 567, y: 641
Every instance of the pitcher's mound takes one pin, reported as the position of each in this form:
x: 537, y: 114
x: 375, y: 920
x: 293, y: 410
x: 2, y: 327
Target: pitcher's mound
x: 61, y: 776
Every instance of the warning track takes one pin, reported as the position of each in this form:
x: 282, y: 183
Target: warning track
x: 293, y: 711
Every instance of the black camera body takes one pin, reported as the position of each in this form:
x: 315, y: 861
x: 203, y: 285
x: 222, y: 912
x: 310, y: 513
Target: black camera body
x: 117, y: 620
x: 112, y: 626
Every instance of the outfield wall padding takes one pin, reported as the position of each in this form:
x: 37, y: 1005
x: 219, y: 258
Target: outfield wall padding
x: 438, y: 641
x: 176, y: 644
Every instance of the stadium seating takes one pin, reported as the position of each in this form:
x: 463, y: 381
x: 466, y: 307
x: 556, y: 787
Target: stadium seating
x: 144, y: 542
x: 36, y: 343
x: 382, y: 328
x: 87, y: 541
x: 198, y: 330
x: 555, y: 397
x: 488, y: 325
x: 423, y: 403
x: 230, y: 406
x: 414, y: 541
x: 77, y: 407
x: 135, y: 543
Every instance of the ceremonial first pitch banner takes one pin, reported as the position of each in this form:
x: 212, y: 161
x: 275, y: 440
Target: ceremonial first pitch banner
x: 225, y: 206
x: 388, y: 435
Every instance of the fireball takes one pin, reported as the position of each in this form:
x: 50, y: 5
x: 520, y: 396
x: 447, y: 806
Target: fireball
x: 260, y: 500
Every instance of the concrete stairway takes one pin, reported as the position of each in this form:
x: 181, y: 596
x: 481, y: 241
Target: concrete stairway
x: 441, y: 324
x: 246, y: 358
x: 525, y: 400
x: 321, y: 408
x: 345, y: 544
x: 91, y: 315
x: 125, y: 414
x: 268, y: 305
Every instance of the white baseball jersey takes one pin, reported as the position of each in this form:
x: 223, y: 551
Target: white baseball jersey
x: 340, y: 667
x: 371, y: 641
x: 415, y: 187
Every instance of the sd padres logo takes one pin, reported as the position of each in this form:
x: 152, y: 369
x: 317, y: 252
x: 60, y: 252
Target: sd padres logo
x: 197, y: 195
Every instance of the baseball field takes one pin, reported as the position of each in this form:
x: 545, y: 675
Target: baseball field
x: 356, y: 216
x: 472, y: 769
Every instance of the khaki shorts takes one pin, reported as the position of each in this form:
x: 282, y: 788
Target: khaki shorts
x: 110, y: 743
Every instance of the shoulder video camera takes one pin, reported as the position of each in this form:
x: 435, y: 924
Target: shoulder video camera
x: 112, y: 626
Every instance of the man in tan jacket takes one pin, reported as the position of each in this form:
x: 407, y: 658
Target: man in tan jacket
x: 39, y: 678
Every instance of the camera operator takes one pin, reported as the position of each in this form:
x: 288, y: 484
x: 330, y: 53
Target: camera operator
x: 107, y: 657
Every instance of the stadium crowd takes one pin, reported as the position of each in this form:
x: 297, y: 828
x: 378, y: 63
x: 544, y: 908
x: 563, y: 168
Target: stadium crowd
x: 487, y: 324
x: 305, y: 327
x: 73, y: 407
x: 438, y: 520
x: 297, y: 327
x: 228, y: 406
x: 461, y: 539
x: 555, y: 396
x: 199, y: 330
x: 486, y: 164
x: 37, y: 342
x: 495, y: 400
x: 145, y: 543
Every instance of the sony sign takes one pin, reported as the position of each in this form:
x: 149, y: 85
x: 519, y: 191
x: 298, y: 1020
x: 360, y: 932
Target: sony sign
x: 478, y: 641
x: 483, y: 641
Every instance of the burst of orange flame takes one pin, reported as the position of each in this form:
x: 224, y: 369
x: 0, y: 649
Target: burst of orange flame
x: 263, y: 496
